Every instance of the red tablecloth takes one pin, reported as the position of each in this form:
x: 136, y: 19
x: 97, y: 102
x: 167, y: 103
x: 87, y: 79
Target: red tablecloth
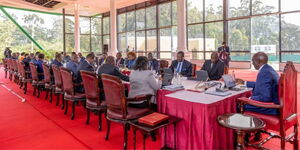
x: 199, y: 128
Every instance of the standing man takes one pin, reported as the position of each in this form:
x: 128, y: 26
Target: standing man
x: 152, y: 62
x: 265, y: 89
x: 224, y: 54
x: 182, y: 66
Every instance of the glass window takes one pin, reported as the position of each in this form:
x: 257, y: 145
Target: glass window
x: 239, y: 32
x: 85, y: 43
x: 106, y: 29
x: 290, y: 5
x: 84, y: 25
x: 195, y: 11
x: 140, y: 41
x: 131, y: 41
x: 265, y: 36
x: 174, y: 13
x: 122, y: 42
x: 131, y: 21
x: 213, y: 10
x: 239, y: 56
x: 164, y: 14
x: 165, y: 55
x: 151, y: 17
x: 290, y: 31
x: 264, y: 6
x: 122, y: 22
x: 174, y: 39
x: 151, y: 41
x: 195, y: 38
x: 106, y: 40
x: 165, y: 39
x: 140, y: 19
x: 70, y: 43
x: 96, y: 43
x: 70, y: 23
x: 213, y: 35
x: 96, y: 26
x: 238, y: 8
x: 290, y: 57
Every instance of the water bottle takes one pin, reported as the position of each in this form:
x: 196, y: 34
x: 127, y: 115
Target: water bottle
x: 233, y: 75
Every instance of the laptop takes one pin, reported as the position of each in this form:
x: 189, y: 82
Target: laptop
x: 230, y: 83
x: 201, y: 75
x: 167, y: 79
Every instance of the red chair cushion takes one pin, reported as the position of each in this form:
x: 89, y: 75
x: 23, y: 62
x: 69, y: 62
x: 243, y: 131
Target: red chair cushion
x: 272, y: 122
x: 77, y: 96
x: 133, y: 113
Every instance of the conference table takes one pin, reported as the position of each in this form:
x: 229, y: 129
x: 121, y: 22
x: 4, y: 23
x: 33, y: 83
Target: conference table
x: 198, y: 128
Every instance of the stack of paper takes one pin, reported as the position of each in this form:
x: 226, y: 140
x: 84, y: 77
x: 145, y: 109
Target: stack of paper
x: 173, y: 87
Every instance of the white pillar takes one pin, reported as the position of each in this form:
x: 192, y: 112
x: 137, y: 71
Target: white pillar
x: 77, y: 29
x: 181, y: 25
x: 113, y: 28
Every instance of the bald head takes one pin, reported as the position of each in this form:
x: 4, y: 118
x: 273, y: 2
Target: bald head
x: 110, y: 60
x: 214, y: 57
x: 259, y: 59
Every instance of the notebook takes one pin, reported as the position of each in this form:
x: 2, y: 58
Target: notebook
x: 153, y: 119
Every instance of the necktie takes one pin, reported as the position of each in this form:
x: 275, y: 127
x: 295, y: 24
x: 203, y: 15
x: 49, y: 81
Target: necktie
x: 179, y: 67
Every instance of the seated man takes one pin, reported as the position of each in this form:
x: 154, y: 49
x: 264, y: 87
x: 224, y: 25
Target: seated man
x: 265, y: 89
x: 214, y: 67
x: 181, y: 65
x: 86, y: 65
x: 120, y: 62
x: 58, y: 60
x: 103, y: 59
x: 81, y: 57
x: 39, y: 64
x: 153, y: 64
x: 73, y: 64
x: 110, y: 68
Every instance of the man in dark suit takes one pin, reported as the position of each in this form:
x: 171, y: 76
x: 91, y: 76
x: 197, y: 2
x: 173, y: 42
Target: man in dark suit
x: 120, y: 62
x: 39, y: 64
x: 73, y: 64
x: 182, y: 66
x: 224, y: 53
x: 102, y: 59
x: 152, y: 62
x: 87, y: 65
x: 110, y: 68
x: 214, y: 67
x: 265, y: 89
x: 58, y: 60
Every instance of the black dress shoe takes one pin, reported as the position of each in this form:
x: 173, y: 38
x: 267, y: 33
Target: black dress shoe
x: 257, y: 136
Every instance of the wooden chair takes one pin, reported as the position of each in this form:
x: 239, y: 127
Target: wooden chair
x: 194, y: 67
x: 48, y: 82
x: 287, y: 117
x: 117, y: 110
x: 36, y: 83
x: 58, y: 85
x: 93, y: 101
x: 70, y: 94
x: 10, y: 69
x: 4, y: 60
x: 24, y: 77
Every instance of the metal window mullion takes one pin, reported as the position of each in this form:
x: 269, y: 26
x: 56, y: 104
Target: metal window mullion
x: 157, y: 33
x: 90, y: 34
x: 280, y: 45
x: 203, y: 27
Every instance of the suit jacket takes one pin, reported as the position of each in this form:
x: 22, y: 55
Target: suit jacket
x: 154, y: 64
x: 84, y: 65
x: 57, y: 63
x: 216, y: 71
x: 186, y: 69
x: 265, y: 89
x: 39, y: 64
x: 71, y: 65
x: 111, y: 70
x: 120, y: 62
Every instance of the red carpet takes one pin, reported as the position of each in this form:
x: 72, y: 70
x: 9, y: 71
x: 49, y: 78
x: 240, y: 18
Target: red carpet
x: 38, y: 124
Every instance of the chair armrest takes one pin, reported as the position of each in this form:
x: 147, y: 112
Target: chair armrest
x: 245, y: 100
x: 140, y: 98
